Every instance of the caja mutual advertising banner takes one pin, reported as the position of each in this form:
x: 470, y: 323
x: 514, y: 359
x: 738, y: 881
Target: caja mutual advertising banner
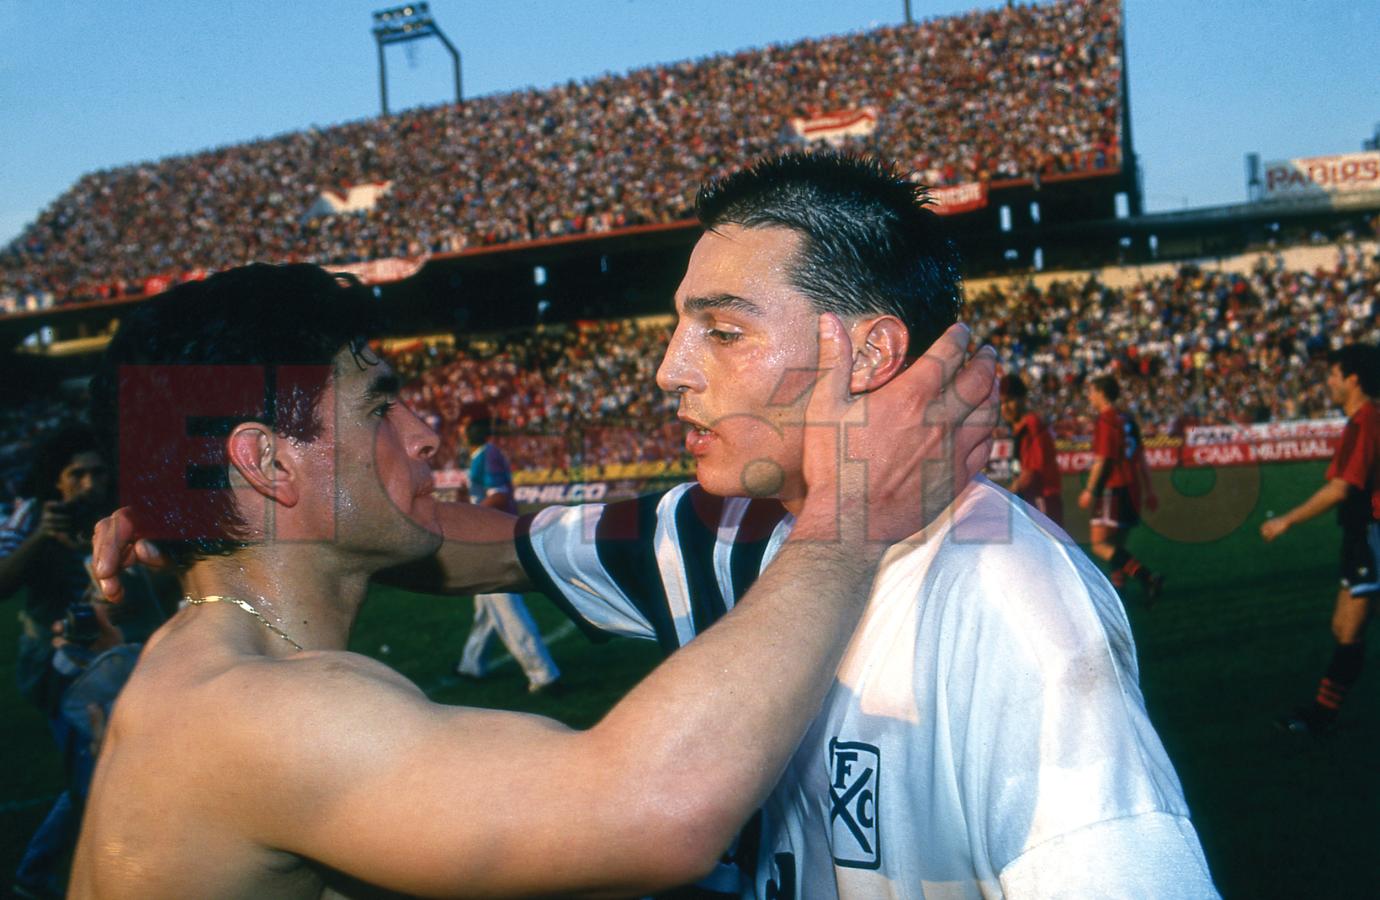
x: 1207, y: 446
x: 1322, y: 176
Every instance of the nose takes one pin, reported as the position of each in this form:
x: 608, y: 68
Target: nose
x: 92, y: 481
x: 419, y: 439
x: 677, y: 373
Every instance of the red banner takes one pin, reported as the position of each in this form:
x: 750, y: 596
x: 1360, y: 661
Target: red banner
x: 157, y: 284
x: 958, y: 198
x: 836, y: 126
x: 382, y: 271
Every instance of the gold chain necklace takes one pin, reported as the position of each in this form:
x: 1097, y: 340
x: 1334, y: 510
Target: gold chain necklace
x: 244, y: 605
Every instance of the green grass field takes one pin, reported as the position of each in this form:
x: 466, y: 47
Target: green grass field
x: 1240, y: 636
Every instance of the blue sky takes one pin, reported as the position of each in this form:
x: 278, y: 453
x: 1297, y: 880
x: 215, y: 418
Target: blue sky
x: 89, y: 85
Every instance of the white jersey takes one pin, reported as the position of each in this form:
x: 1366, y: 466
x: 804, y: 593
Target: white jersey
x: 985, y: 736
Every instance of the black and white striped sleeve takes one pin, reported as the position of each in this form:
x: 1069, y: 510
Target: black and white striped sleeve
x: 662, y: 567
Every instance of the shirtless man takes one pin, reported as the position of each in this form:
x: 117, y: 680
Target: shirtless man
x: 252, y: 756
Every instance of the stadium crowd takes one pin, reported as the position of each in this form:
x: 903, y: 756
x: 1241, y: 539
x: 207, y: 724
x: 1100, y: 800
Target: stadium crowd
x: 564, y: 398
x: 1016, y: 92
x: 1196, y: 347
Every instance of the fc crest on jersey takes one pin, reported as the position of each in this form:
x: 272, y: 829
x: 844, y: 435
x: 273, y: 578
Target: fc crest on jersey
x: 855, y: 777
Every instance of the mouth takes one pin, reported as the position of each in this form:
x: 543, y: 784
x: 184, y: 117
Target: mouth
x: 694, y: 424
x: 428, y: 489
x: 698, y: 437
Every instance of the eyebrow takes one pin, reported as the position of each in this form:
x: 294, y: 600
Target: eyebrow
x: 384, y: 384
x: 731, y: 302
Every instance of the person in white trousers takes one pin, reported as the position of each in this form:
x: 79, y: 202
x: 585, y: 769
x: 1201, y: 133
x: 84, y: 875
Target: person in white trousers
x: 491, y: 484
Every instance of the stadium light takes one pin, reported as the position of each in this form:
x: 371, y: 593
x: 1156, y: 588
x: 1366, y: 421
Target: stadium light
x: 412, y: 22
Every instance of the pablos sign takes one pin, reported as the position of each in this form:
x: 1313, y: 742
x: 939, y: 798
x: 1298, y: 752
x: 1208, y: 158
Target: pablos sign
x: 1321, y: 176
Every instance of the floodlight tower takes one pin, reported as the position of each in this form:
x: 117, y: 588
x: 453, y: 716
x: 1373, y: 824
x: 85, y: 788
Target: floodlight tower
x: 409, y: 23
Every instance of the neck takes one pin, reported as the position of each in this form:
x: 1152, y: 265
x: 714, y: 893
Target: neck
x: 292, y: 586
x: 1354, y: 401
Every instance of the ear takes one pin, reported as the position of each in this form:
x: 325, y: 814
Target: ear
x: 265, y: 462
x: 879, y: 352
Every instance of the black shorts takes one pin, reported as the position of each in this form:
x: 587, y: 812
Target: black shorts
x: 1361, y: 560
x: 1115, y: 509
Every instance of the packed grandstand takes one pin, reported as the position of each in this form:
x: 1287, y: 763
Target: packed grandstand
x: 1018, y: 92
x: 1240, y: 342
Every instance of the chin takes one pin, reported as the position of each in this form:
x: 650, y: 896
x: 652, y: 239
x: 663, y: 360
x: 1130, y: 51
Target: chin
x: 758, y: 478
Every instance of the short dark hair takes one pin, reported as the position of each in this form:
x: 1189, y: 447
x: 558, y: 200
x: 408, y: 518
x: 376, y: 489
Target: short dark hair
x: 286, y: 322
x: 869, y: 244
x: 1361, y: 360
x: 1108, y: 386
x: 53, y: 454
x: 477, y: 431
x: 1012, y: 387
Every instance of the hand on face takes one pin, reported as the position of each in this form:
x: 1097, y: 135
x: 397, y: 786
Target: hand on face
x: 882, y: 465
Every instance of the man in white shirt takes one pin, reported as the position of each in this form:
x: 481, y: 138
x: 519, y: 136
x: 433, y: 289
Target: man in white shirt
x: 986, y: 735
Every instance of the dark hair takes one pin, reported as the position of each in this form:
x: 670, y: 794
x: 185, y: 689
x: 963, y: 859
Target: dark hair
x: 868, y: 243
x: 254, y: 343
x: 53, y: 454
x: 1361, y: 360
x: 477, y: 431
x: 1108, y: 386
x: 1012, y: 387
